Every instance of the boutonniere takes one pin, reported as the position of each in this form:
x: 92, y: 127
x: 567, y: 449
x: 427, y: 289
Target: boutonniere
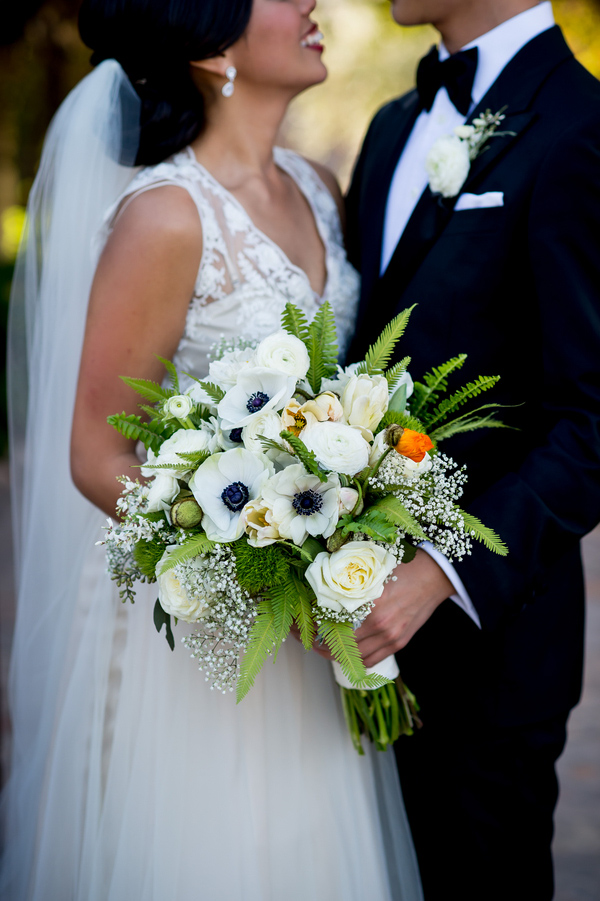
x: 449, y: 160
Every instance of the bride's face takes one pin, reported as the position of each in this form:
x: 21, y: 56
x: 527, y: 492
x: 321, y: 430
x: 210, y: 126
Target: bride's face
x: 281, y: 47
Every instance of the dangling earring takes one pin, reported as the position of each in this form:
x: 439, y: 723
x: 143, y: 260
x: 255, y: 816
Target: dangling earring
x: 228, y: 88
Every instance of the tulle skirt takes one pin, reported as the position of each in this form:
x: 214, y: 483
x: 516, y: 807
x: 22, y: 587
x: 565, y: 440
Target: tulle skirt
x: 156, y: 788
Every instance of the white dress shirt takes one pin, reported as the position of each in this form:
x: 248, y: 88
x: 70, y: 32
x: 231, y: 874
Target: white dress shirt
x: 495, y: 50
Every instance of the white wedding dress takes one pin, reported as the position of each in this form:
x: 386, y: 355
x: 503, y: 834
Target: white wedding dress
x: 156, y: 788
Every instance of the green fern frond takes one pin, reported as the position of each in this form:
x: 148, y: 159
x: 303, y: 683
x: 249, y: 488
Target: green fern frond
x: 133, y: 427
x: 395, y: 417
x: 191, y: 547
x: 150, y: 390
x: 283, y: 606
x: 171, y: 369
x: 152, y: 412
x: 322, y: 347
x: 482, y: 533
x: 460, y: 397
x: 303, y: 611
x: 341, y: 641
x: 215, y: 393
x: 294, y: 322
x: 434, y: 384
x: 194, y: 457
x: 394, y: 372
x: 379, y: 354
x: 306, y: 456
x: 397, y: 514
x: 373, y: 523
x: 467, y: 424
x: 174, y: 467
x: 271, y: 444
x: 260, y: 645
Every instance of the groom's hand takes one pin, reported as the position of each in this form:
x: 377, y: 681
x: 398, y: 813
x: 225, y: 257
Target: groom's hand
x: 403, y: 608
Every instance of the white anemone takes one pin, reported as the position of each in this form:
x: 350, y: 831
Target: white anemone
x: 301, y: 504
x: 223, y: 485
x: 257, y: 391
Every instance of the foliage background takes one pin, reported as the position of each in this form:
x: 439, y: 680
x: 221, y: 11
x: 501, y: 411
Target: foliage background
x: 370, y: 60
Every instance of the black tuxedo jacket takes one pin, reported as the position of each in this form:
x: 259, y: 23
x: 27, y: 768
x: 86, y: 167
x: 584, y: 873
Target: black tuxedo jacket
x: 517, y: 287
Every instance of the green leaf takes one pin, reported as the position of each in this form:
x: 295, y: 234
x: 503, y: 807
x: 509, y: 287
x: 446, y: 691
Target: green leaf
x: 162, y: 618
x: 146, y: 555
x: 303, y: 611
x: 171, y: 369
x: 310, y: 548
x: 379, y: 354
x: 460, y: 397
x: 341, y: 641
x: 306, y: 456
x: 398, y: 401
x: 194, y: 457
x: 214, y: 392
x: 397, y: 514
x: 395, y: 417
x: 396, y: 371
x: 191, y: 547
x: 294, y: 322
x: 435, y: 384
x: 410, y: 552
x: 260, y: 644
x: 133, y: 427
x: 481, y: 533
x: 466, y: 424
x: 152, y: 412
x: 373, y: 523
x: 270, y: 444
x: 173, y: 467
x: 148, y: 389
x: 322, y: 347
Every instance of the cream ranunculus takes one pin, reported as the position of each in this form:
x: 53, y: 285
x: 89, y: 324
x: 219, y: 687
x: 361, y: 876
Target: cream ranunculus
x: 284, y: 352
x: 226, y: 370
x: 350, y: 577
x: 338, y: 447
x: 173, y: 597
x: 267, y: 425
x: 184, y: 441
x: 448, y: 165
x: 364, y: 401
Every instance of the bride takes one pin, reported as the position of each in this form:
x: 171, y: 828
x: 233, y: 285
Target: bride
x: 130, y: 778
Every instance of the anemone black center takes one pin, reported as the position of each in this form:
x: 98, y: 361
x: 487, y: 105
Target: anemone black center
x: 235, y: 496
x: 236, y: 435
x: 307, y: 502
x: 257, y: 401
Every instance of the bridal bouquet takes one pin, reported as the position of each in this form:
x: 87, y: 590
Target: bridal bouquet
x: 283, y: 489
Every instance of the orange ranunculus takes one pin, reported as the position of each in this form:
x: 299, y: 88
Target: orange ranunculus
x: 413, y: 445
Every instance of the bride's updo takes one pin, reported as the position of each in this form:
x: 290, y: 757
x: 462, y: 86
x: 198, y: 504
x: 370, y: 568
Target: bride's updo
x: 154, y: 41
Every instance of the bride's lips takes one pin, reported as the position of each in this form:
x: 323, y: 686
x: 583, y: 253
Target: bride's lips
x: 312, y: 40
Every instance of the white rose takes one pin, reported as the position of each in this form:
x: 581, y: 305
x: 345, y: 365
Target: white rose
x: 179, y: 406
x: 284, y: 352
x: 364, y: 401
x: 163, y: 490
x: 338, y: 447
x: 226, y: 370
x: 448, y: 165
x: 350, y: 577
x: 173, y: 597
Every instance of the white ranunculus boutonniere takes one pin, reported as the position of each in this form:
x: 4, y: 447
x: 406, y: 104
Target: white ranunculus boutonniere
x: 449, y: 160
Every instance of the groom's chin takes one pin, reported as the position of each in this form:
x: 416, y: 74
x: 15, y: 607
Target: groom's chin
x: 415, y: 12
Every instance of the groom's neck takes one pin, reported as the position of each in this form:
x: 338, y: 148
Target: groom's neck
x: 458, y: 21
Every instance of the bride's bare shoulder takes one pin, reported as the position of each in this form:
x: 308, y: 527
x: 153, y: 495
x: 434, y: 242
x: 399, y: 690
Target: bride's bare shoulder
x: 165, y: 212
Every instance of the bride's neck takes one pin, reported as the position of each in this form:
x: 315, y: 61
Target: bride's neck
x: 238, y: 139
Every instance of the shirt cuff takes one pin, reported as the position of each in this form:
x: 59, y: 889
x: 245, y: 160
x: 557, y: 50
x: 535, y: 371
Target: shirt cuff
x: 462, y: 596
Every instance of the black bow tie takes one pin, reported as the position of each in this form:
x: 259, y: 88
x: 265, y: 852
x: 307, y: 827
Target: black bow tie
x: 456, y: 74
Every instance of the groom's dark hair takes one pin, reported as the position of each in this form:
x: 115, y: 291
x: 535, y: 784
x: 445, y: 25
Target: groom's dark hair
x: 154, y: 41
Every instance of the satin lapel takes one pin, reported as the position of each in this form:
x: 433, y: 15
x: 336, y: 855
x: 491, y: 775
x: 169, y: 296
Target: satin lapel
x: 377, y: 187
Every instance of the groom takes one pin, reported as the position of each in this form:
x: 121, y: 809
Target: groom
x: 508, y: 271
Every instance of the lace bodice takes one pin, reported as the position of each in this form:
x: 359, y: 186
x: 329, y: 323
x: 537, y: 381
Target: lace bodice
x: 245, y: 279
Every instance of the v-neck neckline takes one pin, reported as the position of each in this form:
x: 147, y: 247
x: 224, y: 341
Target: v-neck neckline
x: 279, y: 158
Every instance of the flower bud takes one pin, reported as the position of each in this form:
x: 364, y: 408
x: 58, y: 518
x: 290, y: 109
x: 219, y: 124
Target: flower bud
x: 186, y: 513
x: 179, y: 406
x: 393, y: 434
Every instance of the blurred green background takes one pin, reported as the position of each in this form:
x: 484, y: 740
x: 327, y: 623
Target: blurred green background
x: 370, y: 60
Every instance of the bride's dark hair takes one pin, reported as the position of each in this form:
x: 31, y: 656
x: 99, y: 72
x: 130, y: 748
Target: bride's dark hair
x: 154, y: 41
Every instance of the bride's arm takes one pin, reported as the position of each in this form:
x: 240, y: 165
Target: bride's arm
x: 138, y: 303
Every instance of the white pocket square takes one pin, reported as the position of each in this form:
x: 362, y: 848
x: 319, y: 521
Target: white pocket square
x: 479, y: 201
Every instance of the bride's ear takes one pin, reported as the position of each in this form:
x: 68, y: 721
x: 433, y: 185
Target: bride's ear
x: 214, y: 65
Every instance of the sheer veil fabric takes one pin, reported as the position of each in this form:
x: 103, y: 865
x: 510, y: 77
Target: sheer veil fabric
x: 130, y: 779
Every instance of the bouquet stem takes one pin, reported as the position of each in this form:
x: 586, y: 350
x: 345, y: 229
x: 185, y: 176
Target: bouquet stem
x: 382, y: 714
